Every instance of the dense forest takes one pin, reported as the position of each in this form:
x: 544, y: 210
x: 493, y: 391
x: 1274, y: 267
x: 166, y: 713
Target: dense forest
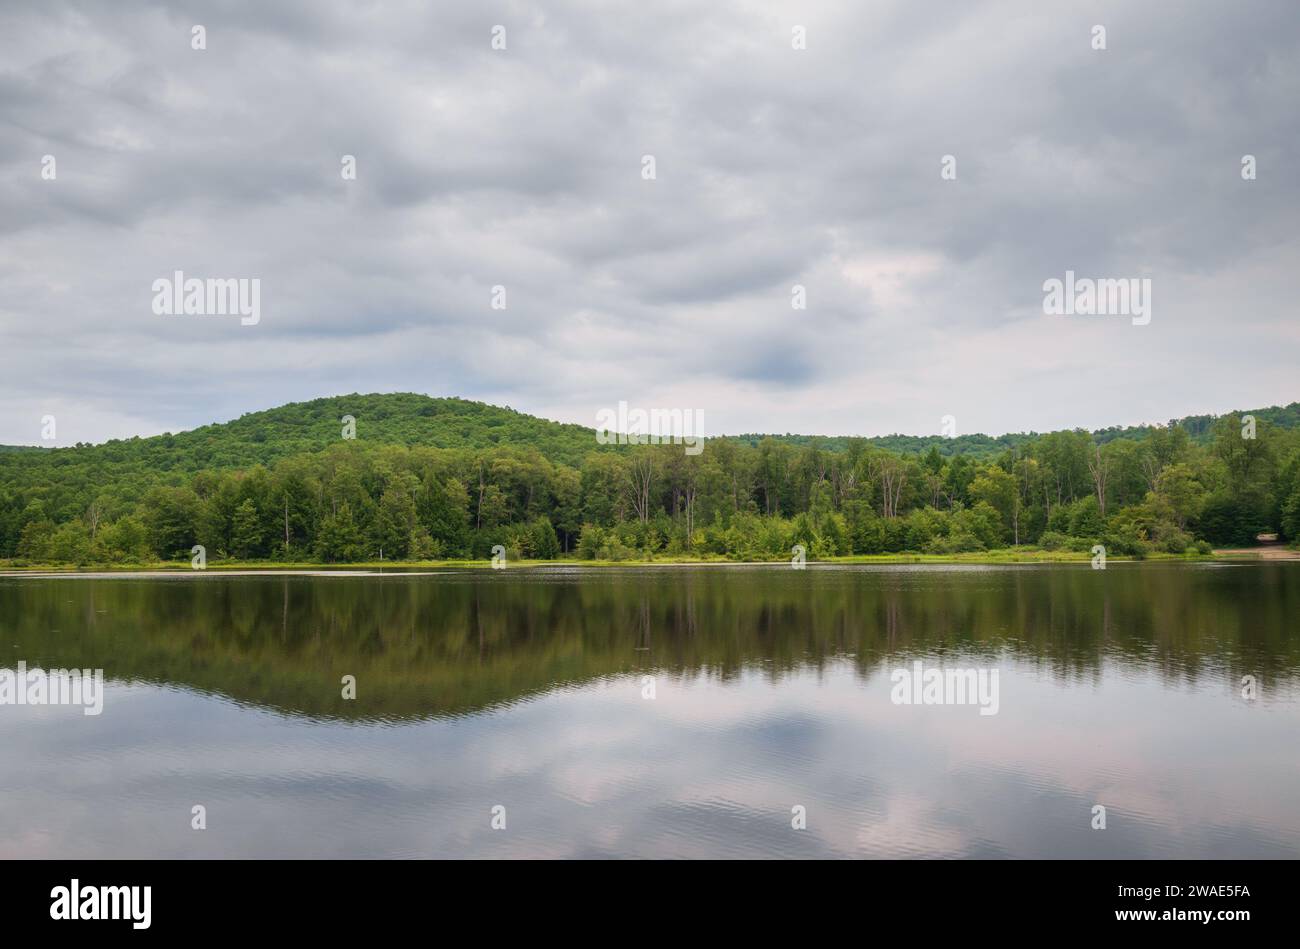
x: 427, y: 479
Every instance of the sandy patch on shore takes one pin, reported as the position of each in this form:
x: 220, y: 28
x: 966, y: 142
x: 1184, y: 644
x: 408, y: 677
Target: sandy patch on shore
x: 1260, y: 553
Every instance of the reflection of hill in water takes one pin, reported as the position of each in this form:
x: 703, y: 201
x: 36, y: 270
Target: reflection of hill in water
x: 455, y: 644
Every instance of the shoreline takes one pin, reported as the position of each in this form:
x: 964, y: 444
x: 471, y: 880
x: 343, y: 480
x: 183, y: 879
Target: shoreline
x: 416, y: 568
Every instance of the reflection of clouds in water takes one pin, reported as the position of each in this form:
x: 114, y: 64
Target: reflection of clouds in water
x: 1137, y: 745
x: 703, y: 770
x: 909, y: 827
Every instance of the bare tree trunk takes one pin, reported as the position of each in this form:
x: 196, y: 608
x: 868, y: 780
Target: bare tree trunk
x: 1099, y: 468
x: 1151, y: 469
x: 642, y: 476
x: 892, y: 477
x: 94, y: 514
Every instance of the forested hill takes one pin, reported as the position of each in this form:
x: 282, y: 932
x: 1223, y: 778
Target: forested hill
x: 402, y: 418
x: 424, y: 478
x: 411, y: 419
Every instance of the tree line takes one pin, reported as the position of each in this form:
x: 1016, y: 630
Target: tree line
x: 1156, y: 490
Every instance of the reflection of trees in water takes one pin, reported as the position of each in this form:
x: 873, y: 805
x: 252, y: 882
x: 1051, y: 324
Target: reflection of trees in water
x: 452, y: 644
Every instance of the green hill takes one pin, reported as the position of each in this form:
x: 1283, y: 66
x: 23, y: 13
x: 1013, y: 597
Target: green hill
x: 426, y: 476
x: 412, y: 419
x: 403, y: 418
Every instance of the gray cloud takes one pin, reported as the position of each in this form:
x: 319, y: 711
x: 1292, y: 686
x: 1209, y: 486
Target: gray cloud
x: 523, y: 168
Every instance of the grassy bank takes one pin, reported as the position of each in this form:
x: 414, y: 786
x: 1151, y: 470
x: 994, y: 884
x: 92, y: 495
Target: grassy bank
x: 1004, y: 556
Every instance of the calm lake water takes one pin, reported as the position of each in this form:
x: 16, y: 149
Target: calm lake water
x: 526, y: 689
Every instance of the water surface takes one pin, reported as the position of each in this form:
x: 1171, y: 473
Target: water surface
x: 526, y: 689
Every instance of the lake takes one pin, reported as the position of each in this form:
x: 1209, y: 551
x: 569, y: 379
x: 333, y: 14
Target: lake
x: 716, y: 711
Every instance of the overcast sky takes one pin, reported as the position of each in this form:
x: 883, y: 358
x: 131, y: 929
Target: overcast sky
x: 774, y: 166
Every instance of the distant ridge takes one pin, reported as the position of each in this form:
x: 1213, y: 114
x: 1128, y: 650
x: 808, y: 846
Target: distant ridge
x: 1197, y: 426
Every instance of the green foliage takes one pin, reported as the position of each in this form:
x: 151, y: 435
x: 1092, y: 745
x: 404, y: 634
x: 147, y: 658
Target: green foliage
x: 866, y: 532
x: 170, y: 516
x: 1086, y: 519
x: 245, y: 531
x: 1054, y: 540
x: 339, y: 538
x: 544, y: 544
x: 126, y: 540
x: 444, y: 478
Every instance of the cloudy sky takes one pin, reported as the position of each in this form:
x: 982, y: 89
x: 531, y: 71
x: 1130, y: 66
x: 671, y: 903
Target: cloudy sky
x: 774, y: 167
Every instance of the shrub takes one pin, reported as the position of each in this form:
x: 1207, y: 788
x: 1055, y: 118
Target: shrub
x: 958, y: 541
x: 1053, y: 540
x: 865, y: 530
x: 1085, y: 518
